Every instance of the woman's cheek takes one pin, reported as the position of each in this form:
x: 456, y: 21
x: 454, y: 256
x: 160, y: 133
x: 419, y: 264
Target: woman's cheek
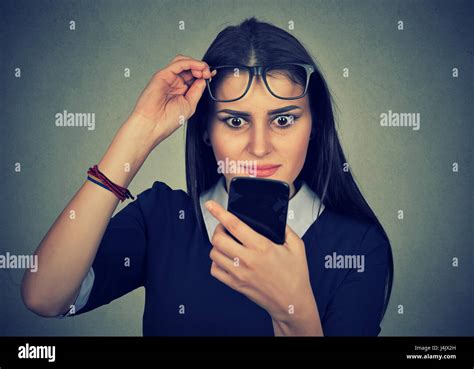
x: 297, y: 147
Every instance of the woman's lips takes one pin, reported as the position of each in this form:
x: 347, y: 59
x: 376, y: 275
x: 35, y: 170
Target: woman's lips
x: 264, y: 170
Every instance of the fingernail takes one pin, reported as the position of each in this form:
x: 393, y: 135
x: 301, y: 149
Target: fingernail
x: 208, y: 206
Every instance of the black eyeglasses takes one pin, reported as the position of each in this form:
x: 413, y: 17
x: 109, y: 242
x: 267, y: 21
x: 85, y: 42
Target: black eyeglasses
x: 288, y: 81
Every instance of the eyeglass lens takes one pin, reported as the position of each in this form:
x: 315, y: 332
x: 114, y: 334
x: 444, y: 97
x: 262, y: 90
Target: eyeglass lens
x: 284, y: 81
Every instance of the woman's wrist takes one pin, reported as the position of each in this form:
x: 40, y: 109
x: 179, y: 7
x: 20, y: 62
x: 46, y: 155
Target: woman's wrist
x: 301, y: 320
x: 128, y: 151
x: 143, y: 132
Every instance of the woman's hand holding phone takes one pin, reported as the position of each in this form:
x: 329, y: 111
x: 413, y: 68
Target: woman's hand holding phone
x: 275, y: 277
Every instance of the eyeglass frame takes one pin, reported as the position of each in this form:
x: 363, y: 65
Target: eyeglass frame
x: 261, y: 70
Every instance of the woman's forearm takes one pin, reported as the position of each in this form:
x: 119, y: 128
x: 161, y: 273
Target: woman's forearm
x: 67, y: 251
x: 304, y: 321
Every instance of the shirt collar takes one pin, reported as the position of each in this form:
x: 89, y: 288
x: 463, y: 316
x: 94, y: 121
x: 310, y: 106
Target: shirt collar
x: 302, y: 207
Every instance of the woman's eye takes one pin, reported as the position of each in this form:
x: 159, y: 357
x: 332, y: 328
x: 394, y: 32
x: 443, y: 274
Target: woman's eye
x: 285, y: 121
x: 233, y: 122
x: 281, y: 121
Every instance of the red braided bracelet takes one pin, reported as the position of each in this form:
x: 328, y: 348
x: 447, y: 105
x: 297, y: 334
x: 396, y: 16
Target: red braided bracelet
x: 121, y: 192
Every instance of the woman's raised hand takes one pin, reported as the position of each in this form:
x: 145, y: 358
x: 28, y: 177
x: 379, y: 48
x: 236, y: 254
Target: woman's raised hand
x: 171, y: 96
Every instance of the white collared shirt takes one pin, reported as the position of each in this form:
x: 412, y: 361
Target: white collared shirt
x: 302, y: 207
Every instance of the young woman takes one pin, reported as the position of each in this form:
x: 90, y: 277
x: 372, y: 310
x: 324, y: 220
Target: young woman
x: 257, y: 96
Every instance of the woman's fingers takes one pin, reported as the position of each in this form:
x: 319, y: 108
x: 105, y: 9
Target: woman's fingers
x: 188, y: 70
x: 194, y: 93
x: 226, y: 245
x: 187, y: 76
x: 227, y: 253
x: 173, y: 70
x: 236, y: 227
x: 170, y: 73
x: 190, y: 64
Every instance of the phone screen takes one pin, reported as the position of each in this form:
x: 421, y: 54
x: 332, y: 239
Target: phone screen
x: 262, y: 204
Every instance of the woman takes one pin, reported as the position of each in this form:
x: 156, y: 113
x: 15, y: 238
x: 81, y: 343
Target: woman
x: 265, y: 102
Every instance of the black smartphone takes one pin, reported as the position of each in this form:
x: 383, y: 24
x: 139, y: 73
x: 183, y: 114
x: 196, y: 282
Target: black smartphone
x: 262, y: 204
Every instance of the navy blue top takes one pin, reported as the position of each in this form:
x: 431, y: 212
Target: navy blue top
x: 169, y: 256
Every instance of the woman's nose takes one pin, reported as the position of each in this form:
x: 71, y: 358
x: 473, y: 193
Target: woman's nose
x: 260, y: 140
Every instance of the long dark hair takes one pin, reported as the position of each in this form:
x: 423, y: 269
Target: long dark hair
x: 262, y: 43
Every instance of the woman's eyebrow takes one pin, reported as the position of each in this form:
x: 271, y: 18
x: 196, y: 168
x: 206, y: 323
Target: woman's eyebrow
x: 270, y: 112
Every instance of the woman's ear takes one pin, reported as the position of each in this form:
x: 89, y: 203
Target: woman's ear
x: 205, y: 138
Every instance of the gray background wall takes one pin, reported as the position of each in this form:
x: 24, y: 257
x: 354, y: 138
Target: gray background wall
x: 398, y: 168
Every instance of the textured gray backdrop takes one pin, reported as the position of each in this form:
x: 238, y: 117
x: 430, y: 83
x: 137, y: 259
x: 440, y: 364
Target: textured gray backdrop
x: 398, y: 168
